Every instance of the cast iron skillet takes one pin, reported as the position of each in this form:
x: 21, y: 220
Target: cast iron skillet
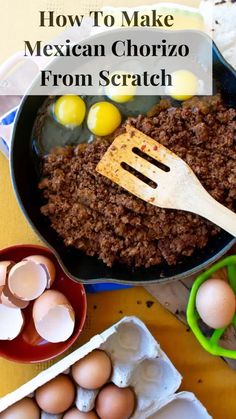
x: 89, y: 269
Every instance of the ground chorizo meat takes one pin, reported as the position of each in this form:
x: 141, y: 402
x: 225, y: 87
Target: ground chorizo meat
x: 100, y: 218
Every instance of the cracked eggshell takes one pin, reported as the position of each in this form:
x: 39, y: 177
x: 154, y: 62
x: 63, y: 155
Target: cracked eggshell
x: 27, y: 280
x: 47, y: 265
x: 6, y: 297
x: 9, y: 300
x: 5, y: 266
x: 53, y: 316
x: 11, y: 322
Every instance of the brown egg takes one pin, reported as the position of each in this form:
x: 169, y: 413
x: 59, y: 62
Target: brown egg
x: 92, y: 371
x: 115, y: 403
x: 25, y: 408
x: 76, y: 414
x: 215, y: 303
x: 56, y: 396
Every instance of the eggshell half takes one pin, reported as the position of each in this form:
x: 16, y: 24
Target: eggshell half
x: 27, y: 280
x: 46, y: 264
x: 4, y: 269
x: 9, y: 300
x: 6, y: 297
x: 53, y: 316
x: 11, y: 322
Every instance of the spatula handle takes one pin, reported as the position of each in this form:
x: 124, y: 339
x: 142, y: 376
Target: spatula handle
x: 220, y: 215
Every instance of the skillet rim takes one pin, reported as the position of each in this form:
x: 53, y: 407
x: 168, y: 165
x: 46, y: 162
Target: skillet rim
x: 160, y: 280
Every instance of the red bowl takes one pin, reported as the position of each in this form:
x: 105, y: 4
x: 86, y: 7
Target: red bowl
x: 29, y: 347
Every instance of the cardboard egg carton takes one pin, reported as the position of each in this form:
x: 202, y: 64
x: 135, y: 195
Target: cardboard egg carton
x: 139, y: 362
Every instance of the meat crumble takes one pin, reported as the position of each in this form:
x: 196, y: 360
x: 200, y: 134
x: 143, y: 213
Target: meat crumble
x: 100, y: 218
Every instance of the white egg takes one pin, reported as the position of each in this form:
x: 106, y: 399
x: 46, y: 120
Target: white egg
x: 215, y: 303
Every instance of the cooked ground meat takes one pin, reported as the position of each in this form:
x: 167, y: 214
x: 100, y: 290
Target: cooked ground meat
x: 100, y: 218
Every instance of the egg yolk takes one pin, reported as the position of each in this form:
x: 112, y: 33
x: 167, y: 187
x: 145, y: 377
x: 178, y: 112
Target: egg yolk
x: 183, y: 80
x: 103, y: 118
x: 120, y: 94
x: 70, y: 110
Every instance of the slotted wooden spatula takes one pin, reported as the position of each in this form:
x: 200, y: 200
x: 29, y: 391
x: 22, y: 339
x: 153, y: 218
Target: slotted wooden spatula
x: 134, y: 159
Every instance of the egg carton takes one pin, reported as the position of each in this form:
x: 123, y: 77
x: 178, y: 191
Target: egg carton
x: 139, y: 362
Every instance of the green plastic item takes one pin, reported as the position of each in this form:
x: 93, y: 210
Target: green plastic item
x: 211, y: 344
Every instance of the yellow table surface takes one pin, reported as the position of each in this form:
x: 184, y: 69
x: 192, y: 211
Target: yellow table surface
x: 213, y: 382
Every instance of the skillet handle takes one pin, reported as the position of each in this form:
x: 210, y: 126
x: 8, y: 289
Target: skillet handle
x: 7, y: 120
x: 18, y: 72
x: 17, y: 59
x: 6, y: 126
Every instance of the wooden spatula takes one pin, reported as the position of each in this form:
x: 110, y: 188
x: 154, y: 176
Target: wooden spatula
x: 134, y: 159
